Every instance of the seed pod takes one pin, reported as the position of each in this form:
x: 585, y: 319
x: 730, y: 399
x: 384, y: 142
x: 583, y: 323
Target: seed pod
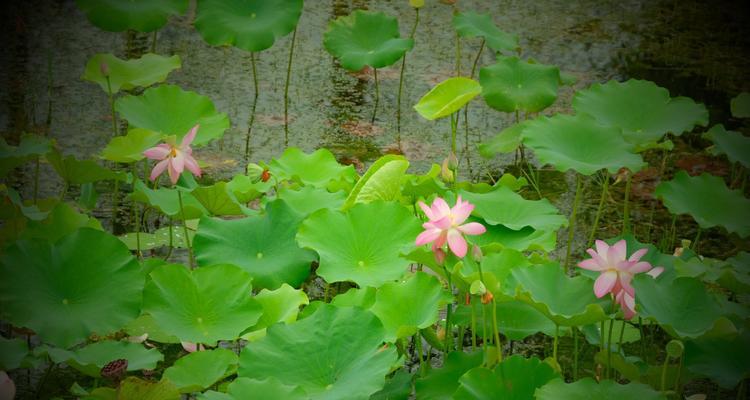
x: 115, y: 370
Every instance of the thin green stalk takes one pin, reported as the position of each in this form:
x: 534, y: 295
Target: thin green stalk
x: 572, y: 222
x: 554, y: 343
x: 498, y: 344
x: 664, y: 366
x: 458, y: 52
x: 454, y: 128
x: 36, y: 179
x: 599, y: 209
x: 185, y: 229
x: 460, y: 340
x: 575, y: 353
x: 741, y: 391
x: 255, y: 103
x: 112, y: 107
x: 473, y: 329
x: 418, y: 345
x: 377, y: 96
x: 401, y: 82
x: 466, y: 110
x: 449, y: 311
x: 626, y: 210
x: 694, y: 246
x: 153, y: 43
x: 115, y: 204
x: 609, y: 347
x: 622, y: 332
x: 643, y: 338
x: 137, y: 222
x: 171, y: 236
x: 286, y: 88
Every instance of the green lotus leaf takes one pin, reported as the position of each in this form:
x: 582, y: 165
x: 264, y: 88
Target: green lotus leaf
x: 219, y: 200
x: 12, y: 353
x: 362, y: 245
x: 78, y: 172
x: 447, y: 97
x: 90, y: 359
x: 145, y: 325
x: 262, y: 245
x: 682, y: 307
x: 415, y: 186
x: 508, y: 208
x: 498, y: 236
x: 514, y: 85
x: 166, y: 200
x: 129, y: 74
x: 249, y: 25
x: 169, y: 110
x: 365, y: 38
x: 721, y: 359
x: 734, y: 144
x: 471, y: 24
x: 262, y: 389
x: 356, y: 297
x: 630, y: 333
x: 62, y: 220
x: 515, y: 378
x: 134, y: 388
x: 566, y: 301
x: 308, y: 199
x: 318, y: 168
x: 159, y: 238
x: 708, y: 200
x: 740, y: 105
x: 246, y: 189
x: 130, y: 148
x: 516, y: 320
x: 587, y: 388
x: 735, y: 276
x: 29, y: 147
x: 139, y: 15
x: 644, y: 111
x: 382, y: 181
x: 280, y: 305
x: 335, y: 353
x: 398, y: 387
x: 507, y: 141
x: 203, y: 305
x: 581, y: 144
x: 87, y: 282
x: 406, y: 306
x: 441, y: 383
x: 20, y: 208
x: 201, y: 369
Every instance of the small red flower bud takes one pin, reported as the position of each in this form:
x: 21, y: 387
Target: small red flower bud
x: 487, y: 297
x: 265, y: 175
x: 104, y: 68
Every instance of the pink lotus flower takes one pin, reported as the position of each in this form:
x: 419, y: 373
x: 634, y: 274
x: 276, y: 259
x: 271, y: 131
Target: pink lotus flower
x: 617, y: 272
x: 445, y: 225
x: 7, y: 387
x: 174, y: 159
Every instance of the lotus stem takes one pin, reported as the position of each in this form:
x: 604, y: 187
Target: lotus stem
x: 458, y: 50
x: 466, y: 110
x: 575, y: 353
x: 185, y: 229
x: 286, y: 88
x: 694, y: 246
x: 454, y: 128
x: 115, y: 204
x: 609, y: 347
x: 571, y: 226
x: 622, y: 332
x: 36, y: 179
x: 460, y: 339
x: 377, y: 96
x: 626, y: 211
x: 498, y: 343
x: 401, y: 82
x: 153, y: 43
x: 136, y: 223
x: 418, y: 344
x: 664, y: 367
x: 554, y: 343
x: 252, y: 110
x: 449, y: 312
x: 112, y: 107
x: 605, y: 186
x: 473, y: 329
x: 171, y: 236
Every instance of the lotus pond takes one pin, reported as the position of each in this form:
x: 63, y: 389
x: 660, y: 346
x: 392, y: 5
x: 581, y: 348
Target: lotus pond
x: 278, y: 199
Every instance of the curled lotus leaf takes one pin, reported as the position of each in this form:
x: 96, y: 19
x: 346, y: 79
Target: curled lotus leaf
x: 472, y: 24
x: 734, y: 144
x: 251, y: 25
x: 447, y: 97
x: 139, y: 15
x: 129, y: 74
x: 503, y: 206
x: 512, y: 85
x: 507, y: 141
x: 365, y: 38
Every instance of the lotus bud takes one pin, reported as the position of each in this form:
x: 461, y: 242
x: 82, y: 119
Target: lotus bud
x: 446, y: 173
x: 440, y: 333
x: 416, y: 3
x: 452, y: 161
x: 255, y: 172
x: 439, y: 256
x: 104, y: 69
x: 476, y: 252
x: 675, y: 348
x: 7, y: 387
x: 478, y: 288
x: 115, y: 370
x: 265, y: 175
x: 487, y: 297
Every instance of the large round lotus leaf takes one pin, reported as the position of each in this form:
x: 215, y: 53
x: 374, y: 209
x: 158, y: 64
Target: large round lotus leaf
x: 317, y: 168
x: 249, y: 25
x: 566, y: 301
x: 12, y: 353
x: 507, y: 141
x: 309, y: 199
x: 734, y: 144
x: 409, y: 305
x: 382, y: 181
x: 145, y: 325
x: 88, y: 282
x: 472, y: 24
x: 516, y: 378
x: 62, y: 220
x: 508, y: 208
x: 130, y: 148
x: 500, y: 237
x: 643, y: 110
x: 201, y: 369
x: 262, y: 245
x: 447, y: 97
x: 92, y: 358
x: 581, y: 144
x: 129, y: 74
x: 167, y: 201
x: 740, y: 105
x: 280, y: 305
x: 683, y: 307
x: 440, y: 383
x: 335, y: 353
x: 707, y: 199
x: 139, y: 15
x: 169, y: 110
x: 219, y: 200
x: 362, y: 245
x: 365, y: 38
x: 588, y: 388
x: 203, y: 305
x: 513, y: 85
x: 133, y: 388
x: 516, y: 320
x: 721, y: 359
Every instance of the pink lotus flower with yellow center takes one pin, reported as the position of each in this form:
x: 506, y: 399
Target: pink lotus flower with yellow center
x: 174, y: 159
x: 617, y: 272
x: 446, y: 224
